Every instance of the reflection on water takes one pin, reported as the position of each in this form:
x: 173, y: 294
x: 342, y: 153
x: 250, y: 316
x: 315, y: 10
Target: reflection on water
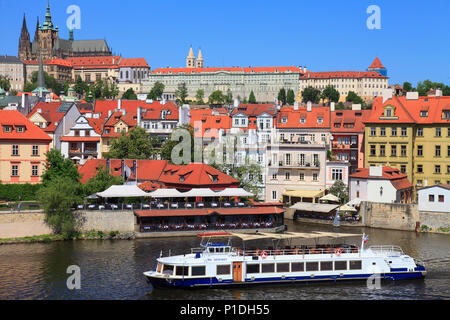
x: 112, y: 269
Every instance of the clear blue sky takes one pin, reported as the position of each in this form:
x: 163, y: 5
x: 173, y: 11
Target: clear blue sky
x: 326, y: 35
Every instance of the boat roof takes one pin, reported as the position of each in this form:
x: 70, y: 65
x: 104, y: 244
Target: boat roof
x: 279, y: 236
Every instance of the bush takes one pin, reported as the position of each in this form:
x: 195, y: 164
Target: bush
x: 12, y: 192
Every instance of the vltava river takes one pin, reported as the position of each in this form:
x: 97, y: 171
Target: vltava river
x: 112, y: 269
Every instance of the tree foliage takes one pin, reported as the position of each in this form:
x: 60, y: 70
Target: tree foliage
x: 169, y: 144
x: 290, y: 97
x: 311, y: 94
x: 354, y: 98
x: 340, y: 190
x: 330, y: 94
x: 200, y: 94
x: 134, y: 144
x: 282, y: 96
x: 56, y: 165
x: 157, y: 91
x: 129, y: 95
x: 251, y: 98
x: 101, y: 181
x: 216, y: 97
x: 5, y: 84
x: 182, y: 92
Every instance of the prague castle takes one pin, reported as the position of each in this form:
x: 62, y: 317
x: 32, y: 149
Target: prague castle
x: 47, y: 42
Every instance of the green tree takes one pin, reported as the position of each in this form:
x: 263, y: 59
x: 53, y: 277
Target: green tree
x: 282, y: 96
x: 407, y: 86
x: 311, y: 94
x: 157, y: 91
x: 251, y: 98
x: 354, y: 98
x: 56, y: 165
x: 50, y: 82
x: 290, y: 98
x: 330, y: 94
x: 101, y: 181
x: 216, y: 97
x: 135, y: 144
x: 200, y: 94
x: 340, y: 190
x: 169, y: 144
x: 129, y: 95
x: 229, y: 97
x: 182, y: 92
x: 5, y: 84
x: 81, y: 87
x: 29, y: 86
x: 58, y: 198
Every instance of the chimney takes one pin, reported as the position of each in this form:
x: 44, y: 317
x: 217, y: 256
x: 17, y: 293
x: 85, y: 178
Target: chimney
x: 304, y: 69
x: 412, y: 95
x: 124, y: 112
x: 438, y: 93
x: 109, y: 113
x: 332, y: 106
x: 356, y: 106
x: 387, y: 94
x: 296, y: 106
x: 119, y: 103
x: 163, y: 101
x: 309, y: 106
x: 376, y: 171
x: 139, y: 115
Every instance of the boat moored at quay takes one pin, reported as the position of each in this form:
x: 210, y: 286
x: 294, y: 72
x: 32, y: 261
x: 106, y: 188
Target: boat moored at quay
x: 219, y: 264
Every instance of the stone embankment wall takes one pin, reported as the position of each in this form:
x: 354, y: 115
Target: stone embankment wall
x: 435, y: 221
x: 106, y: 221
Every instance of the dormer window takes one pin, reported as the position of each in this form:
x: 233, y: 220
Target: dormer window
x: 424, y: 114
x: 283, y: 120
x: 319, y: 120
x: 388, y: 113
x: 20, y: 129
x: 215, y: 178
x: 7, y: 128
x: 302, y: 120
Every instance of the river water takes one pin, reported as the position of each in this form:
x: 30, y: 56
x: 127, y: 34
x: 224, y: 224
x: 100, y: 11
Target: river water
x: 112, y: 269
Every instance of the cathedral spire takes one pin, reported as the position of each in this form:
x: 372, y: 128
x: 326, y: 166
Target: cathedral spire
x: 48, y: 24
x: 24, y: 42
x: 190, y: 60
x: 41, y: 91
x: 200, y: 63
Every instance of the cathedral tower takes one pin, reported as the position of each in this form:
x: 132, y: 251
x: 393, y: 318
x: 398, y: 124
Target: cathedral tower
x: 190, y: 60
x: 200, y: 63
x: 24, y: 42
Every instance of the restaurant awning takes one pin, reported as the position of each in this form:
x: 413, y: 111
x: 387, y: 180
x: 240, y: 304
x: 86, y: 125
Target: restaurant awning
x: 166, y: 193
x: 303, y: 193
x: 200, y: 192
x: 329, y: 197
x: 123, y: 191
x: 346, y: 207
x: 314, y: 207
x: 234, y: 192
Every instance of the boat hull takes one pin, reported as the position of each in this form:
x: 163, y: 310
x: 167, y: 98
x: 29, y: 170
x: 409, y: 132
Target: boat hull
x: 209, y: 282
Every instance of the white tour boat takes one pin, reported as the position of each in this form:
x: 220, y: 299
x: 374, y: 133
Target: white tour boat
x: 220, y: 264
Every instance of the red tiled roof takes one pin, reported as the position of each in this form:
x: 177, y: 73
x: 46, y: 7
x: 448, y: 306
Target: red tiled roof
x: 388, y: 173
x: 134, y: 62
x: 15, y: 118
x: 206, y: 212
x: 103, y: 62
x: 104, y: 106
x: 229, y: 69
x: 357, y: 117
x: 293, y: 117
x: 210, y: 124
x: 60, y: 62
x: 48, y: 112
x: 75, y: 139
x: 376, y: 64
x: 254, y: 110
x: 341, y: 74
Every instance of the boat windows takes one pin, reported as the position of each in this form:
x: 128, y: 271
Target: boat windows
x: 282, y: 267
x: 182, y: 271
x: 198, y: 271
x: 268, y: 267
x: 312, y: 266
x: 219, y: 249
x: 326, y: 265
x: 168, y: 269
x: 297, y: 266
x: 227, y: 249
x: 355, y: 265
x: 253, y: 268
x: 340, y: 265
x: 223, y: 269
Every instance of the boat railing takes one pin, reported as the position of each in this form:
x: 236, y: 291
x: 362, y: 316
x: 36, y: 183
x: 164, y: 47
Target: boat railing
x: 387, y: 249
x: 295, y: 251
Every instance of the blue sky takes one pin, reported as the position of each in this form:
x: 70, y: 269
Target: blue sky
x: 413, y: 42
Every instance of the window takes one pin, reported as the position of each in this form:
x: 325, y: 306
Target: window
x: 382, y: 150
x: 373, y: 131
x: 404, y: 132
x: 315, y: 177
x: 274, y: 195
x: 7, y: 128
x: 223, y: 269
x: 388, y: 113
x: 252, y: 268
x: 436, y: 182
x: 34, y: 170
x: 441, y: 198
x: 403, y: 151
x: 431, y: 198
x: 448, y: 151
x: 20, y: 129
x: 420, y: 132
x: 437, y: 151
x: 15, y: 150
x: 403, y: 168
x: 373, y: 150
x: 393, y: 151
x: 198, y: 271
x: 336, y: 174
x: 326, y: 265
x: 301, y: 176
x: 340, y: 265
x: 35, y: 151
x: 267, y: 267
x: 419, y: 183
x: 355, y: 265
x: 301, y: 160
x: 382, y: 132
x: 168, y: 269
x: 419, y: 168
x: 282, y: 267
x: 420, y: 151
x: 182, y: 271
x: 394, y: 132
x: 438, y: 132
x: 15, y: 170
x: 288, y: 175
x: 274, y: 176
x: 437, y: 169
x: 448, y: 169
x: 297, y: 266
x: 312, y: 266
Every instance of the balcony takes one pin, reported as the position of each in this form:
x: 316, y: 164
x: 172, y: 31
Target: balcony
x: 297, y: 165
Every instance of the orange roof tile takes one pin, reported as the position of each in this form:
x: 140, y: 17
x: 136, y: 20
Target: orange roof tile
x: 15, y: 119
x: 229, y: 69
x: 134, y: 62
x: 376, y: 64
